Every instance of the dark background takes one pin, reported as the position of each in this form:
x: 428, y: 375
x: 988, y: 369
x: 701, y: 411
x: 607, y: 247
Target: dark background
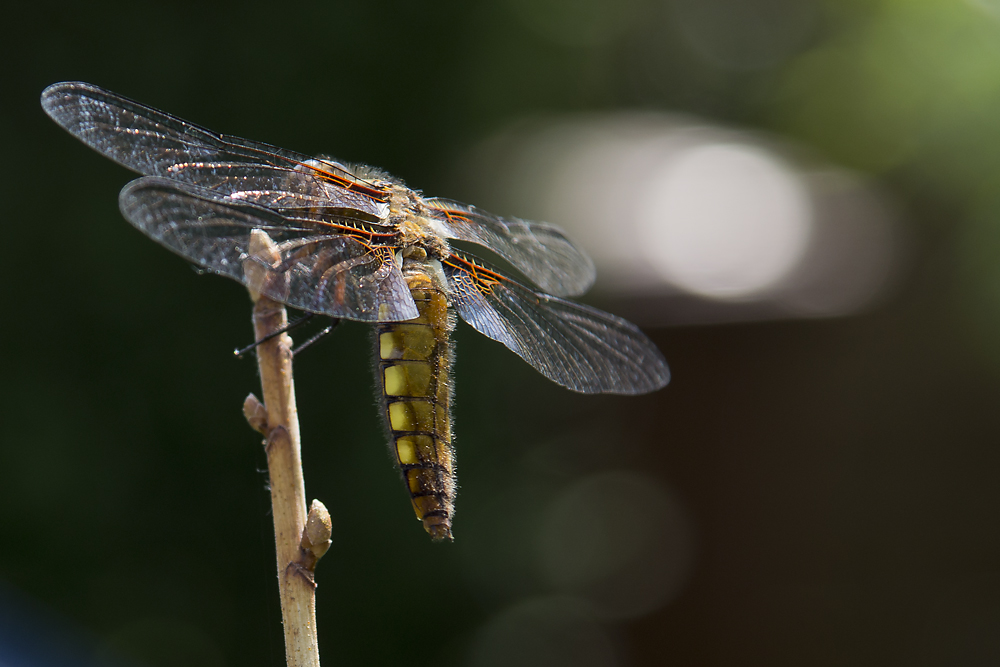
x: 839, y: 476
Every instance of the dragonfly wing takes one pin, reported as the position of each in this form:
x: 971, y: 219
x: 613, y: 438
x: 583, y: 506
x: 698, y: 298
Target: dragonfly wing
x: 321, y: 269
x: 155, y: 143
x: 540, y: 251
x: 299, y: 189
x: 581, y: 348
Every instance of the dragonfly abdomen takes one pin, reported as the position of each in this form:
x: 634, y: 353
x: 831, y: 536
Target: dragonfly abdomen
x: 414, y: 368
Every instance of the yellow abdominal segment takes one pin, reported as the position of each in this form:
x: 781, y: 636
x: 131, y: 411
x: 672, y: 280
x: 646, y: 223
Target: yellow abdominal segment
x: 415, y: 360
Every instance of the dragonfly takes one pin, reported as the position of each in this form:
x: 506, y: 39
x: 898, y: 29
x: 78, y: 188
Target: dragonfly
x: 355, y: 243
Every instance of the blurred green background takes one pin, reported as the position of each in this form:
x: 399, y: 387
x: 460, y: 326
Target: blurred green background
x: 830, y: 484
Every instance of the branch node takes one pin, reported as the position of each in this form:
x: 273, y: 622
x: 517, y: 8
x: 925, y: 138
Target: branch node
x: 277, y: 438
x: 300, y: 571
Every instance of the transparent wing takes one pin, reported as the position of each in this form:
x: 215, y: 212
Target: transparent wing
x: 540, y: 251
x: 321, y: 269
x: 581, y: 348
x: 155, y: 143
x: 305, y: 189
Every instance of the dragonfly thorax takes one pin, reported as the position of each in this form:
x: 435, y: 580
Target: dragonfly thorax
x: 417, y: 229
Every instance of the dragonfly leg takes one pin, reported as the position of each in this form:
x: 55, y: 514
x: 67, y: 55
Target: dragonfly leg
x: 324, y: 332
x: 288, y: 327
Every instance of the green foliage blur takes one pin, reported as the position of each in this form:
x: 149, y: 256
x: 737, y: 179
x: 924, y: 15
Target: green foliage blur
x: 839, y: 474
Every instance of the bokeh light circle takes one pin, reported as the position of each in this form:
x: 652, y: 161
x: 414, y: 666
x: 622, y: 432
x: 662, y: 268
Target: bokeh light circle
x: 723, y: 220
x: 618, y: 539
x: 556, y: 631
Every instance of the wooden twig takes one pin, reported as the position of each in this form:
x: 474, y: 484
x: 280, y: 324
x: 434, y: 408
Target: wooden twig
x: 297, y: 547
